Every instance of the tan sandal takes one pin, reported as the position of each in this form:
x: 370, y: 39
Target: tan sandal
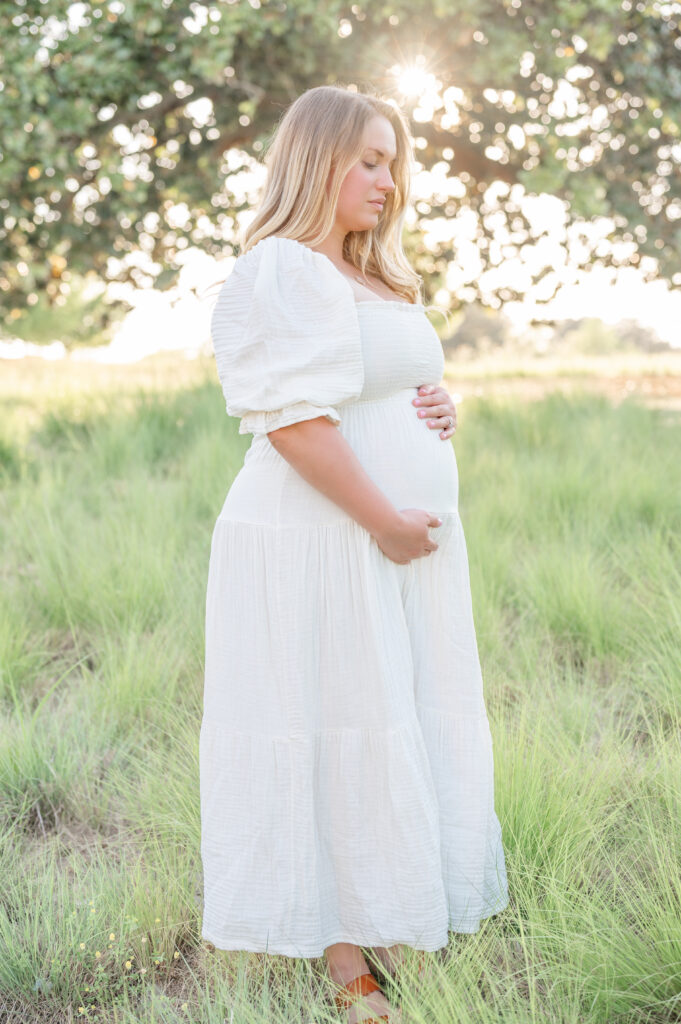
x: 360, y: 986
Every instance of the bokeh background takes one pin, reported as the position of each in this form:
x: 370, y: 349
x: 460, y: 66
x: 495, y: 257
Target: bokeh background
x: 546, y: 222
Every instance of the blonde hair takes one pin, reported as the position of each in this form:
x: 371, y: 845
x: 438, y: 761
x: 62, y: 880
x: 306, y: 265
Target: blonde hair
x: 322, y: 133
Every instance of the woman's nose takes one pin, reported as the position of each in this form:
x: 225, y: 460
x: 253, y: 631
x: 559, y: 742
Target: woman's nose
x: 387, y: 182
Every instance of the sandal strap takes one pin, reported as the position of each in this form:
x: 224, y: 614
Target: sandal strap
x: 362, y: 985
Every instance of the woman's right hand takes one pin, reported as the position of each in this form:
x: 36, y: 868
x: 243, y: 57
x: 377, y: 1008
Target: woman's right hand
x: 407, y: 536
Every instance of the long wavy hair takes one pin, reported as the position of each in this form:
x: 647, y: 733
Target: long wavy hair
x: 320, y: 135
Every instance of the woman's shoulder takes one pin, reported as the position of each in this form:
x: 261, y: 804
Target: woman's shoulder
x: 288, y: 254
x: 283, y: 271
x: 281, y: 284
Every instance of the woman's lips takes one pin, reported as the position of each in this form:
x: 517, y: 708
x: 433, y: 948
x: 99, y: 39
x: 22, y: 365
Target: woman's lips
x: 377, y: 203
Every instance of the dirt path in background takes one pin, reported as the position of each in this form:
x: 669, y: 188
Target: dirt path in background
x: 657, y: 391
x: 651, y: 380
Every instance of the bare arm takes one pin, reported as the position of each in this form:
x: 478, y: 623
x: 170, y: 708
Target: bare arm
x: 320, y: 454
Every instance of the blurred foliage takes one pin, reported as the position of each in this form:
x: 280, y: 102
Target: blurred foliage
x: 482, y: 331
x: 478, y: 330
x: 82, y: 314
x: 127, y: 124
x: 590, y: 336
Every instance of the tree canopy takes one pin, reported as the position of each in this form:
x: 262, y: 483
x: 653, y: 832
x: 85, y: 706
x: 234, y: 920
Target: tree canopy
x: 128, y: 126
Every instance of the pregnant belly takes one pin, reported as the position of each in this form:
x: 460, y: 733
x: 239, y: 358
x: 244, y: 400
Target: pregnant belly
x: 405, y: 457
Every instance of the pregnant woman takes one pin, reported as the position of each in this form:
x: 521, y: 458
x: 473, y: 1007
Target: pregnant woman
x: 346, y: 769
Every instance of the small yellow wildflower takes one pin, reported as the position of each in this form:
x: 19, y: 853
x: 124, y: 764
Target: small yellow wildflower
x: 157, y: 919
x: 97, y: 953
x: 176, y: 954
x: 81, y: 1009
x: 82, y: 945
x: 184, y: 1006
x: 128, y: 964
x: 144, y: 938
x: 92, y: 903
x: 92, y: 910
x: 87, y: 988
x: 112, y: 937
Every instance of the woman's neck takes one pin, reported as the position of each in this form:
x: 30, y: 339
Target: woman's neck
x: 332, y: 245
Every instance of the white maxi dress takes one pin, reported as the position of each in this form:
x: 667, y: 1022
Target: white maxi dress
x: 345, y: 755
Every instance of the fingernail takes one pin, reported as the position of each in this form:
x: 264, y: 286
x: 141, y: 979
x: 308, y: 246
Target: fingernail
x: 417, y: 401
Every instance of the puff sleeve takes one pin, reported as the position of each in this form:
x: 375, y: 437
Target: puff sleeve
x: 286, y: 337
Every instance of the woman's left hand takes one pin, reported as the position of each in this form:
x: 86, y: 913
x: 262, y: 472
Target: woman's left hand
x: 436, y: 403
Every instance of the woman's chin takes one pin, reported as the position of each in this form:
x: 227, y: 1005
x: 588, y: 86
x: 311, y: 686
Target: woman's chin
x: 365, y: 223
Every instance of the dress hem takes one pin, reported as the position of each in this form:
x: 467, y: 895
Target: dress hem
x: 473, y: 926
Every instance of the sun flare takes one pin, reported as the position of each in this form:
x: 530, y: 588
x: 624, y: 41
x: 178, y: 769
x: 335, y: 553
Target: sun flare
x: 414, y: 81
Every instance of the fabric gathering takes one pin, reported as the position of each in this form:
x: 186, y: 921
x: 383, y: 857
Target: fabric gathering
x: 345, y: 755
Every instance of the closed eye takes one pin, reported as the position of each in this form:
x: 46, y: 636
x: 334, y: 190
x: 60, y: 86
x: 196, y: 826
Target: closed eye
x: 371, y: 167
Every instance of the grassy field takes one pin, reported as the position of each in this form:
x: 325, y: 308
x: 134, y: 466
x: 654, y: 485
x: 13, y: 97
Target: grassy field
x: 112, y: 478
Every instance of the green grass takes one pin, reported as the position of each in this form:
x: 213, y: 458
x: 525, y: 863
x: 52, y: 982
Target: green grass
x: 110, y: 490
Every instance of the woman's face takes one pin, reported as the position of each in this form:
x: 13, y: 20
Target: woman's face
x: 369, y: 179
